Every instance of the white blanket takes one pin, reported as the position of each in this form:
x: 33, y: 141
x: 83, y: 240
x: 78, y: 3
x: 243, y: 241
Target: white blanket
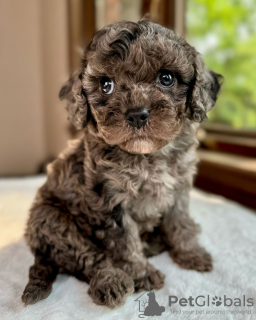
x: 228, y: 233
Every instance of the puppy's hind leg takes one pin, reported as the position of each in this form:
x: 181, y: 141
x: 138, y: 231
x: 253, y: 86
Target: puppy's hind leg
x: 41, y: 276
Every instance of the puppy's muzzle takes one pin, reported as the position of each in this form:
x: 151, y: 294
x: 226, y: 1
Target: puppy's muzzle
x: 137, y: 117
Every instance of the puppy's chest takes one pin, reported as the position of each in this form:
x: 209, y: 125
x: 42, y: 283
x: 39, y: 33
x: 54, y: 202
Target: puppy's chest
x: 146, y: 191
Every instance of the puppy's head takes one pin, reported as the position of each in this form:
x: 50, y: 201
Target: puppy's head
x: 139, y: 82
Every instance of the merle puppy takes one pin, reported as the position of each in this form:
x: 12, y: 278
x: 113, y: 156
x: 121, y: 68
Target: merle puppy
x: 121, y: 193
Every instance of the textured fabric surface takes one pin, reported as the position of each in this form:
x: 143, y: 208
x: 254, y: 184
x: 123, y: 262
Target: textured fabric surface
x: 228, y: 233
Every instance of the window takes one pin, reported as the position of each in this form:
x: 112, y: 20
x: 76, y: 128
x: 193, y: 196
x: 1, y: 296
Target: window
x: 225, y: 33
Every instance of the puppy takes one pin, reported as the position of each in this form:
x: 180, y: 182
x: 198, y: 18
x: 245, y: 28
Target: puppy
x: 121, y: 194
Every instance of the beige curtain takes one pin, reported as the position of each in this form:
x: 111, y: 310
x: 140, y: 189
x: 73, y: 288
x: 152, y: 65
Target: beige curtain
x: 33, y: 66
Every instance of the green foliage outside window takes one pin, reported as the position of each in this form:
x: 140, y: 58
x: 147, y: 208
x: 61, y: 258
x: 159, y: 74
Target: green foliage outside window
x: 224, y: 31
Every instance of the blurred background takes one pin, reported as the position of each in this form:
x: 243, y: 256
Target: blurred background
x: 41, y: 44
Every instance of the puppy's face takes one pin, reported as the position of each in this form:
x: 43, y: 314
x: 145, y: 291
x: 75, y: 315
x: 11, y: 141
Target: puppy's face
x: 137, y: 79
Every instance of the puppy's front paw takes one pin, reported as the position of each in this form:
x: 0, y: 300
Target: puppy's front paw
x: 111, y: 287
x: 154, y: 279
x: 196, y: 259
x: 35, y: 291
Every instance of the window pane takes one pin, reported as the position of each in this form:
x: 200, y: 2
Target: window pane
x: 225, y: 33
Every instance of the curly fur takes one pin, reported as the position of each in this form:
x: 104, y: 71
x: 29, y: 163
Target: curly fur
x: 120, y: 194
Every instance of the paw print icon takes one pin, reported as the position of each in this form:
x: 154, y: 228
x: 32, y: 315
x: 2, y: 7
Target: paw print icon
x: 216, y: 301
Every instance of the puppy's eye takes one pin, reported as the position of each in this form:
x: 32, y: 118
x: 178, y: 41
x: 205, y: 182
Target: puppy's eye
x: 165, y: 78
x: 107, y: 85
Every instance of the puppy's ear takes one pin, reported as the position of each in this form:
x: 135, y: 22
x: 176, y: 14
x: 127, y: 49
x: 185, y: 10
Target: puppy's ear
x: 205, y: 90
x: 77, y: 106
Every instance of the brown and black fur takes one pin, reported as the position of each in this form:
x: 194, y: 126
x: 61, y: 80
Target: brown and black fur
x: 121, y: 194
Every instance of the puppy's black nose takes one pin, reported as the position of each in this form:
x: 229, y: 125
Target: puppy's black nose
x: 137, y: 117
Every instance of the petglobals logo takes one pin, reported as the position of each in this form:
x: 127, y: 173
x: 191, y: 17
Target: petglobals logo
x: 207, y: 301
x: 148, y: 306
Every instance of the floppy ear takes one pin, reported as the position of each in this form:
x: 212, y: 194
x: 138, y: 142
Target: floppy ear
x: 77, y: 106
x: 204, y: 94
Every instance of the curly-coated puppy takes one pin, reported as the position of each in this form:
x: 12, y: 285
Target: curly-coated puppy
x: 121, y: 193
